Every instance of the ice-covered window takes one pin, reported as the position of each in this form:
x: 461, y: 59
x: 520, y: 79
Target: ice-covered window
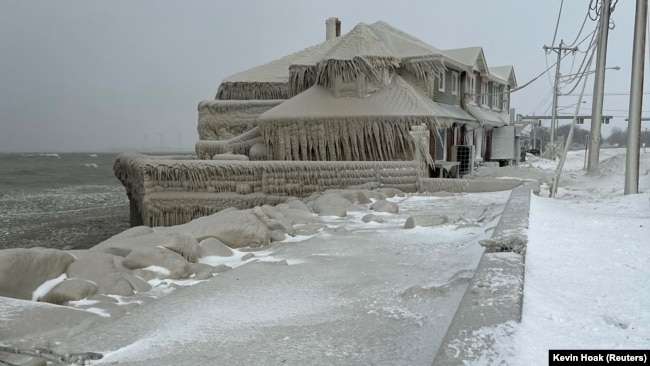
x: 496, y: 94
x: 471, y: 86
x: 485, y: 92
x: 441, y: 140
x: 440, y: 81
x: 454, y: 82
x: 504, y: 100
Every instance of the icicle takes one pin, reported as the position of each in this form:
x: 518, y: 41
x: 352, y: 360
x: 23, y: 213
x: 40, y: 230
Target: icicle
x: 252, y: 91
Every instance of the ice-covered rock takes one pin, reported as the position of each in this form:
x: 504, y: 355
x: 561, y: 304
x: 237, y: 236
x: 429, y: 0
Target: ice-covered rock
x: 177, y: 266
x: 332, y: 204
x: 385, y: 206
x: 214, y: 247
x: 425, y: 220
x: 23, y: 270
x: 372, y: 217
x: 110, y: 279
x: 70, y: 290
x: 236, y: 229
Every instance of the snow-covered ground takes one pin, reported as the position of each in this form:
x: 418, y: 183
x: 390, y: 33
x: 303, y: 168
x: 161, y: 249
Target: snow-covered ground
x: 586, y: 266
x: 354, y: 293
x: 378, y: 293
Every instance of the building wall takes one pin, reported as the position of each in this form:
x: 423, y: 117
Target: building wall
x: 432, y: 90
x: 446, y: 96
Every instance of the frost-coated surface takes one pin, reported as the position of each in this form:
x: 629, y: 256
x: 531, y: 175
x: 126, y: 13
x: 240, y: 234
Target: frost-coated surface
x: 354, y: 293
x: 586, y: 267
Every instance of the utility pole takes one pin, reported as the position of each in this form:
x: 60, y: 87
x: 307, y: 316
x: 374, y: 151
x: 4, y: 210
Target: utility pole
x: 636, y: 99
x: 599, y: 87
x: 561, y: 49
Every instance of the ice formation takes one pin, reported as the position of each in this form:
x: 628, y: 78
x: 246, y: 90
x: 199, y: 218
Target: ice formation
x: 356, y: 110
x: 136, y: 260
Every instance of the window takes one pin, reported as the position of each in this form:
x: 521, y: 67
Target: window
x: 471, y: 86
x: 504, y: 101
x: 496, y: 94
x: 441, y: 138
x: 454, y: 82
x: 484, y: 92
x: 440, y: 77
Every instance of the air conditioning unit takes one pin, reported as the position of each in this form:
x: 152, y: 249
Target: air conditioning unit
x: 464, y: 154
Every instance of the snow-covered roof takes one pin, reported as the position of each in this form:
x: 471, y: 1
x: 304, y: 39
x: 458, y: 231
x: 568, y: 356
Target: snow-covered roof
x: 268, y: 81
x: 487, y: 116
x: 337, y: 127
x: 472, y: 57
x: 505, y: 73
x: 366, y: 48
x: 399, y: 98
x: 278, y: 70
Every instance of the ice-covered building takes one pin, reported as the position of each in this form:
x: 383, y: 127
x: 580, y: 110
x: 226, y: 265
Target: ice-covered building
x: 374, y: 107
x: 375, y: 80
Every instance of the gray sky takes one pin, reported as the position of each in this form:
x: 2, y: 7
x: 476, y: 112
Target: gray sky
x: 80, y: 75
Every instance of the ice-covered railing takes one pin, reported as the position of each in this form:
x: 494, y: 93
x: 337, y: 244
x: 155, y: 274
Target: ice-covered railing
x: 240, y: 145
x: 224, y: 119
x: 166, y: 191
x: 229, y: 126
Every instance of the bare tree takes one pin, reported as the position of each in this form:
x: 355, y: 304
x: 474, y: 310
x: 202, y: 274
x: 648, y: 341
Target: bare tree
x: 617, y: 137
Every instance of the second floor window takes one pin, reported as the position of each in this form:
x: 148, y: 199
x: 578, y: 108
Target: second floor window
x: 471, y: 86
x: 496, y: 94
x: 484, y: 92
x: 440, y: 81
x: 454, y: 82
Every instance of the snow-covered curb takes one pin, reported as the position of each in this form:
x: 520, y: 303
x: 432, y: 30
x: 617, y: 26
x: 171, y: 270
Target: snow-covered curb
x: 495, y: 293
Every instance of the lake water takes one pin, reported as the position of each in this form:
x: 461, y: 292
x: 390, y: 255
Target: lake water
x: 59, y: 200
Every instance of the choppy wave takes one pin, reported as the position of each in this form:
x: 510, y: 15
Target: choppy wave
x: 48, y: 155
x: 36, y: 171
x: 60, y: 200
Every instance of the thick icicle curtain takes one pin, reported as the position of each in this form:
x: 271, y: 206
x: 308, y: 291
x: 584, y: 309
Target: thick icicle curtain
x: 253, y: 91
x: 354, y: 138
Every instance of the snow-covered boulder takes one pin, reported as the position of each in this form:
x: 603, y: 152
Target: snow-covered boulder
x: 372, y: 217
x: 23, y: 270
x: 109, y: 277
x: 332, y: 204
x: 385, y: 206
x: 236, y: 229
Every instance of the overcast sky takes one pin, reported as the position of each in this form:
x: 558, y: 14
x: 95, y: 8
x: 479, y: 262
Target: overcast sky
x: 97, y: 75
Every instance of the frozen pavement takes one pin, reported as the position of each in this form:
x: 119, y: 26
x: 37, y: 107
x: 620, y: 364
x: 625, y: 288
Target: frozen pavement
x: 366, y: 293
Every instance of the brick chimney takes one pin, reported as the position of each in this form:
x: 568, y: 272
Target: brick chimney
x: 332, y: 28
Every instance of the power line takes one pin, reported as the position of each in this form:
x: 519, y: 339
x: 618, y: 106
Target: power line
x: 587, y: 95
x: 593, y: 6
x: 547, y: 69
x: 582, y: 69
x: 584, y: 21
x: 560, y: 50
x: 544, y: 101
x: 613, y: 110
x: 557, y: 23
